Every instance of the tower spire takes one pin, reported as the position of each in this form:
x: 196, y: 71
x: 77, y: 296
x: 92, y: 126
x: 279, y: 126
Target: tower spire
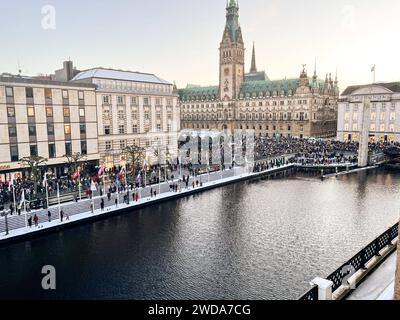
x: 253, y: 60
x: 315, y: 68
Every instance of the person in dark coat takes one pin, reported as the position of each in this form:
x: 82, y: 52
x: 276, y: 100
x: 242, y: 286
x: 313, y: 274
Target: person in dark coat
x: 102, y: 204
x: 49, y: 215
x: 30, y: 221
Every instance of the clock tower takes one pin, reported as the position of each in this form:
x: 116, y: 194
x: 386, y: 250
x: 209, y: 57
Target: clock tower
x: 231, y: 50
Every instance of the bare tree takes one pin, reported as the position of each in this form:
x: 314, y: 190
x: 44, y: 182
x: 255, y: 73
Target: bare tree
x: 76, y: 160
x: 134, y: 156
x: 34, y: 164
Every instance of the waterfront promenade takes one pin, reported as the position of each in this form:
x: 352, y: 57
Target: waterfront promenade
x: 81, y: 211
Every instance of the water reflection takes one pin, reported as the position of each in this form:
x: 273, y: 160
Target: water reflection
x: 264, y: 239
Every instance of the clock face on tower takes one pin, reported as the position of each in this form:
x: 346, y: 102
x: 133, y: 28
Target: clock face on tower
x: 226, y: 71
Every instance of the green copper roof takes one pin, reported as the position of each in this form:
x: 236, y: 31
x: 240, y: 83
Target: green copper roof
x: 197, y: 92
x: 268, y: 87
x: 256, y: 76
x: 232, y: 3
x: 248, y: 88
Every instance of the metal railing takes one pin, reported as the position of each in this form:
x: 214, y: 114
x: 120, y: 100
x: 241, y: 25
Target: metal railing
x: 359, y: 261
x: 311, y: 295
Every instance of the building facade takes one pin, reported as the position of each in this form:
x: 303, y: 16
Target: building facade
x: 384, y: 117
x: 48, y: 119
x: 133, y: 109
x: 300, y: 107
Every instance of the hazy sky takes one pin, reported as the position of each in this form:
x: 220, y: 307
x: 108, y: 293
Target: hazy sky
x: 178, y: 39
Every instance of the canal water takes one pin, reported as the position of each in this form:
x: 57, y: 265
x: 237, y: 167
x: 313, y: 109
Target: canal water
x: 263, y: 239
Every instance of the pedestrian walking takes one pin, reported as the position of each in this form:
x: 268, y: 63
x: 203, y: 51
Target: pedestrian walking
x: 11, y: 209
x: 49, y: 215
x: 30, y: 221
x: 62, y: 215
x: 116, y: 202
x: 19, y: 209
x: 109, y: 196
x: 35, y: 220
x: 91, y: 207
x: 102, y: 204
x: 151, y: 192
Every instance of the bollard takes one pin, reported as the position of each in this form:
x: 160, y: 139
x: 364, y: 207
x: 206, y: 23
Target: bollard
x: 324, y: 288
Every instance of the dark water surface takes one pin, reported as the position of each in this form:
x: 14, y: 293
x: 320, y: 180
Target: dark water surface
x: 263, y: 239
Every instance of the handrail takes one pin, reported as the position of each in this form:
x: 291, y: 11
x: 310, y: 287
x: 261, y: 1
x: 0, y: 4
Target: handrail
x: 359, y: 261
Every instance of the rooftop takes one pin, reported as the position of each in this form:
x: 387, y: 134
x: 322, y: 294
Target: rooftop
x: 392, y: 86
x: 103, y: 73
x: 255, y: 76
x: 34, y: 81
x: 265, y: 86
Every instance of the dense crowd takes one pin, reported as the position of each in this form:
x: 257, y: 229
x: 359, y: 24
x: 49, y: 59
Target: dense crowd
x: 273, y: 151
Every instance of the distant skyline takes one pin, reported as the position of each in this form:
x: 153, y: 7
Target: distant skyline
x: 178, y: 40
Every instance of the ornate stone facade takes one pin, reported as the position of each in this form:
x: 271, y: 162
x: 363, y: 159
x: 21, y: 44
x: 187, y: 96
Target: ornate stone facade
x: 299, y: 107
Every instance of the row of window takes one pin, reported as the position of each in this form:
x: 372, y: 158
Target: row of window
x: 253, y: 104
x: 382, y: 116
x: 47, y: 93
x: 383, y: 106
x: 33, y: 150
x: 302, y: 116
x: 261, y: 128
x: 121, y: 100
x: 132, y: 86
x: 123, y: 143
x: 382, y: 127
x: 12, y: 130
x: 135, y: 128
x: 134, y: 114
x: 30, y: 110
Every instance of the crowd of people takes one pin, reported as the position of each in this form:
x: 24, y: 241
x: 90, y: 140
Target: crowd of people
x: 305, y: 151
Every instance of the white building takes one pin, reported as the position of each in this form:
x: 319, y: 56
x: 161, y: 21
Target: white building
x: 133, y: 109
x: 48, y: 119
x: 384, y: 124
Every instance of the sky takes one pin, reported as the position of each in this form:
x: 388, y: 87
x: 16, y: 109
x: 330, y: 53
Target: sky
x: 178, y: 39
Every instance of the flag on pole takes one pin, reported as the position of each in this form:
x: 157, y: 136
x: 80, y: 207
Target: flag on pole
x: 101, y: 170
x: 45, y: 179
x: 93, y: 186
x: 373, y: 70
x: 75, y: 174
x: 22, y: 197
